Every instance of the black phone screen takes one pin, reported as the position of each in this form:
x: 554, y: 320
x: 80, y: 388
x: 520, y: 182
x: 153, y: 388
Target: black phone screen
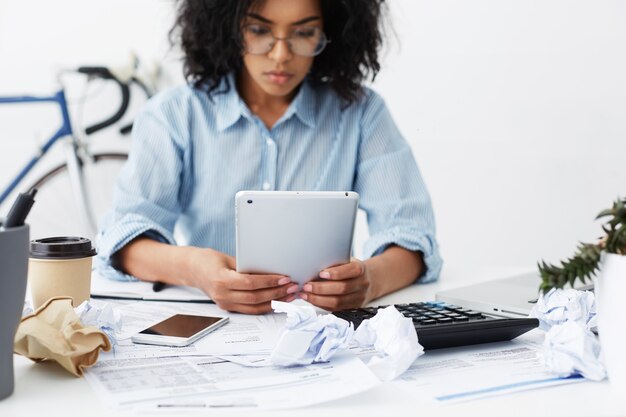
x: 181, y: 325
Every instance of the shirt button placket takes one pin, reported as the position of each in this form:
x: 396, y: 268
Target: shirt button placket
x: 271, y: 159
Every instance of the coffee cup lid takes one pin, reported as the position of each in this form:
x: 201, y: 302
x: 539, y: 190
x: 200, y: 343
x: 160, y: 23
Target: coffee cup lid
x: 64, y: 247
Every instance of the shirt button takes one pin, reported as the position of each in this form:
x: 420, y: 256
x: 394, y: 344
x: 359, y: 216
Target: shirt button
x: 266, y: 186
x: 269, y: 141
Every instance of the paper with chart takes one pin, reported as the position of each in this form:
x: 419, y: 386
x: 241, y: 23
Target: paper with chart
x: 205, y: 382
x: 472, y: 372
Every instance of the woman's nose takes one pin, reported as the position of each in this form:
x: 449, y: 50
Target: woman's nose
x: 281, y: 51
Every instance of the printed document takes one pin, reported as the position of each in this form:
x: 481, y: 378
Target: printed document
x: 472, y: 372
x: 207, y: 382
x: 243, y: 334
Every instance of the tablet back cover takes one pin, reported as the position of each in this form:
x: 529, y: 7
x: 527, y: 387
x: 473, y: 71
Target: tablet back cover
x: 294, y: 233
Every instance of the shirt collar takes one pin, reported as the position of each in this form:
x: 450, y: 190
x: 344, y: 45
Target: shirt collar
x: 230, y: 106
x: 303, y: 105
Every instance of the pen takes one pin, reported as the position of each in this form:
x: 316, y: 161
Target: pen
x: 158, y: 286
x: 20, y: 209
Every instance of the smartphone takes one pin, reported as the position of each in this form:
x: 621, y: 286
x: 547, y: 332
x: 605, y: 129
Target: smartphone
x: 179, y: 330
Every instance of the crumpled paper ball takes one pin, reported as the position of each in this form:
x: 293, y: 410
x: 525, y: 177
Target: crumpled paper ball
x: 27, y: 309
x: 567, y: 315
x: 103, y: 316
x: 570, y: 348
x: 394, y: 337
x: 307, y: 338
x: 561, y: 305
x: 54, y: 332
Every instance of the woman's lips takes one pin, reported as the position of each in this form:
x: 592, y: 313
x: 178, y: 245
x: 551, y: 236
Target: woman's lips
x: 278, y: 78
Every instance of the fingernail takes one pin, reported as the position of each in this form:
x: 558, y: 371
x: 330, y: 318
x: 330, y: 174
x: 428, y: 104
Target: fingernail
x: 308, y: 287
x: 292, y: 289
x: 324, y: 274
x: 303, y: 296
x: 290, y: 298
x: 284, y: 281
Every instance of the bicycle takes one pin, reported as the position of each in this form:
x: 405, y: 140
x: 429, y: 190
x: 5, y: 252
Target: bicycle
x: 74, y: 194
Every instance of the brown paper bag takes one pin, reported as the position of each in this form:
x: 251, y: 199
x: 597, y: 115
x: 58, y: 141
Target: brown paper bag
x: 54, y: 332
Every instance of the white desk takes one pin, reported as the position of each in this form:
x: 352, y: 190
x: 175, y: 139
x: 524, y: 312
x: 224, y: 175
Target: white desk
x: 46, y: 389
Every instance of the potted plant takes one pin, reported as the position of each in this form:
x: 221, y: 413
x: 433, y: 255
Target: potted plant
x: 608, y: 258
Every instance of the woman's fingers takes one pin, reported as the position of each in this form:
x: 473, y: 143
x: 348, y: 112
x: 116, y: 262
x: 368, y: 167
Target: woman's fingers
x: 233, y: 280
x: 340, y: 287
x: 345, y: 271
x: 335, y: 302
x: 261, y: 308
x: 262, y: 295
x: 346, y: 286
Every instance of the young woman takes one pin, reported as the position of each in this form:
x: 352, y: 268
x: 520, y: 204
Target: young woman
x: 275, y: 102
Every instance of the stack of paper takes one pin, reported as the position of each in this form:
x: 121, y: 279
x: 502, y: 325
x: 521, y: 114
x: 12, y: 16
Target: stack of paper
x: 231, y: 367
x: 218, y: 370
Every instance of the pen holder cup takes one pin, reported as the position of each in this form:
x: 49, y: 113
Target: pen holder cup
x: 13, y: 272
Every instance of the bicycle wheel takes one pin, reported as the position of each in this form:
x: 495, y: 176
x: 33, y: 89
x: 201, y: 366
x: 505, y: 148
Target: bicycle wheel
x: 55, y: 212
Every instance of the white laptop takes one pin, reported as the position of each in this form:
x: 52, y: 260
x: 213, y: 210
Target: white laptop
x: 510, y: 297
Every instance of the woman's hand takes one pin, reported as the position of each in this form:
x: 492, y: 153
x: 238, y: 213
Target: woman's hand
x: 214, y: 273
x: 340, y: 287
x: 345, y: 286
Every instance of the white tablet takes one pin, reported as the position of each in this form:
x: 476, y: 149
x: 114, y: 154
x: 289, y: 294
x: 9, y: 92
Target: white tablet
x: 294, y: 233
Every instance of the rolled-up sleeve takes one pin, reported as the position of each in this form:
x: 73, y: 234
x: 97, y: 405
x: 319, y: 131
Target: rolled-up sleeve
x: 393, y: 193
x: 147, y: 197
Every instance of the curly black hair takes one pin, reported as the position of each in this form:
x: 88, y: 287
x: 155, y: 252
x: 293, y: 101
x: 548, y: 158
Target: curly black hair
x: 209, y: 33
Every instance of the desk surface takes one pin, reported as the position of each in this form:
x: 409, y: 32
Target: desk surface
x: 46, y: 389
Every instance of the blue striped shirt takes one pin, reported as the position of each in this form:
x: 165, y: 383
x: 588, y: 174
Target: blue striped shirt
x: 192, y: 153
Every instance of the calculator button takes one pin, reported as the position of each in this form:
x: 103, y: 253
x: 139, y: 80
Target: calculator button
x: 435, y: 303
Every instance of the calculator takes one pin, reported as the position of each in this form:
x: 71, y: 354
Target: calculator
x: 441, y: 325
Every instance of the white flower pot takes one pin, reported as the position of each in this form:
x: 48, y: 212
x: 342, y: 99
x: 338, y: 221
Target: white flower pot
x: 610, y: 297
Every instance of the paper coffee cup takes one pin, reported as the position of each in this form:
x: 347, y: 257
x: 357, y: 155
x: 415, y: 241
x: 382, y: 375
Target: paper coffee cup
x: 60, y: 266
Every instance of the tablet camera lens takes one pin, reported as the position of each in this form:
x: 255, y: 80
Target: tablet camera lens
x: 346, y: 194
x: 249, y: 201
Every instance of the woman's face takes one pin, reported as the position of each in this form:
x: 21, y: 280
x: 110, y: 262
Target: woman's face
x: 280, y: 71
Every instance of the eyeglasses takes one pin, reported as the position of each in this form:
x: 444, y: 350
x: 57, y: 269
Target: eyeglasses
x: 304, y: 41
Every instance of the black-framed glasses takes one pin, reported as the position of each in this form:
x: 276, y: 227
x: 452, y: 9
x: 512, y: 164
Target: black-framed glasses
x: 304, y: 41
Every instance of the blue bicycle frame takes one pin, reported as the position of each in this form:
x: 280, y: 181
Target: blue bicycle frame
x: 64, y: 130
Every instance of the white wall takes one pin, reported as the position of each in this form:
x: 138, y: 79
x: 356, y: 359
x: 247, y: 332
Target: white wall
x: 514, y: 108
